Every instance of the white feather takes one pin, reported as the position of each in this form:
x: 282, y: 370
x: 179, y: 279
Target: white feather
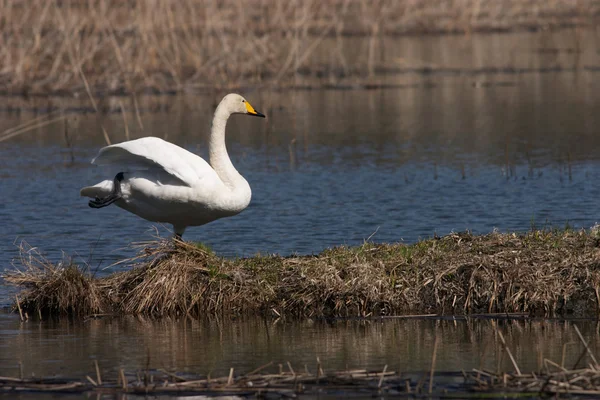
x: 166, y: 183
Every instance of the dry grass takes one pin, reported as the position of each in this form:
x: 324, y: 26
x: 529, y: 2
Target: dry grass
x: 260, y: 383
x: 541, y: 272
x: 63, y: 288
x: 108, y: 46
x: 555, y: 379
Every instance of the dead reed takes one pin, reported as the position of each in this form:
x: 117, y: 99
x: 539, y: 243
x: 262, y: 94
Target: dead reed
x: 259, y: 383
x: 583, y: 381
x: 115, y: 47
x: 555, y: 379
x: 541, y: 272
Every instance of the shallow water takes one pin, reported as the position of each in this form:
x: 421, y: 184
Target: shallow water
x: 333, y: 167
x: 68, y: 349
x: 456, y: 149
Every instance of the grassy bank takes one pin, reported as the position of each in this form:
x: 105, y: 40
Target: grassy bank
x: 108, y: 46
x: 541, y: 272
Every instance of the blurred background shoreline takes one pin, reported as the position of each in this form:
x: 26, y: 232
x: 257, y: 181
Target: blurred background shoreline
x: 105, y: 47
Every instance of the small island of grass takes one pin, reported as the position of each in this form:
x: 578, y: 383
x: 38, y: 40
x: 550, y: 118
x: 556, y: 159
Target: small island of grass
x: 545, y: 273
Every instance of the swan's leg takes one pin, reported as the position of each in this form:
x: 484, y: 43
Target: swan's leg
x: 115, y: 195
x: 178, y: 232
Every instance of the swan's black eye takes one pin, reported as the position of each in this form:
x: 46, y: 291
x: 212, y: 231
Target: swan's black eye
x: 243, y: 101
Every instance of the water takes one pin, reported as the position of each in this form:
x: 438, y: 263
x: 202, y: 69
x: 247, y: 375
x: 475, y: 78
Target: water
x: 334, y: 167
x: 456, y: 149
x: 68, y: 349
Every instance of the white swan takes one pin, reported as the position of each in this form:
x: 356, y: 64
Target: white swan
x: 162, y: 182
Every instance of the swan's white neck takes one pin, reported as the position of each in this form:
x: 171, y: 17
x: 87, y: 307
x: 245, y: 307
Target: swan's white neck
x: 219, y: 159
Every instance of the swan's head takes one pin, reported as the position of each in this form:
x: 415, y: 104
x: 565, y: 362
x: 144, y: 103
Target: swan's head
x: 236, y: 104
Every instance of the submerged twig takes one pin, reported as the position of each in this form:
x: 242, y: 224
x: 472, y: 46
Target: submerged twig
x: 433, y: 359
x: 585, y: 345
x: 512, y: 359
x: 19, y: 307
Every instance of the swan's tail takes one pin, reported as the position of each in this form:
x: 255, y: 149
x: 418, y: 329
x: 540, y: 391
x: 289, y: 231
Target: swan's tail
x: 101, y: 189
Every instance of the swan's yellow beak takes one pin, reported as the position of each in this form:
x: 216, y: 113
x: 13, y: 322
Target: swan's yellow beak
x: 252, y: 111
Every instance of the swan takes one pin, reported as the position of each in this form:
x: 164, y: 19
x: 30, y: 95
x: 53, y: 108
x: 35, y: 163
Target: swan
x: 162, y: 182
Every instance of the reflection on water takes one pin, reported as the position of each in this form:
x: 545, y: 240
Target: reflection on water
x: 68, y: 349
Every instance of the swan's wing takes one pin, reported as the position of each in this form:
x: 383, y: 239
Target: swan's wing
x: 152, y: 153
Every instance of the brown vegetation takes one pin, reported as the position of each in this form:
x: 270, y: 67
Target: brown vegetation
x: 555, y: 379
x: 107, y: 46
x: 541, y: 272
x: 286, y: 383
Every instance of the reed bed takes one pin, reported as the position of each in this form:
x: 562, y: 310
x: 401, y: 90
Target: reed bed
x: 544, y: 273
x: 113, y: 47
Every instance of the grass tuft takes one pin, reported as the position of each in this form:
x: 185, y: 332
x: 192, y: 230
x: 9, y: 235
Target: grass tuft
x: 64, y: 288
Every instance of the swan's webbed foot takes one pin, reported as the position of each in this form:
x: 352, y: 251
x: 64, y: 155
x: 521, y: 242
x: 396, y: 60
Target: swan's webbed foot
x: 114, y: 195
x: 104, y: 201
